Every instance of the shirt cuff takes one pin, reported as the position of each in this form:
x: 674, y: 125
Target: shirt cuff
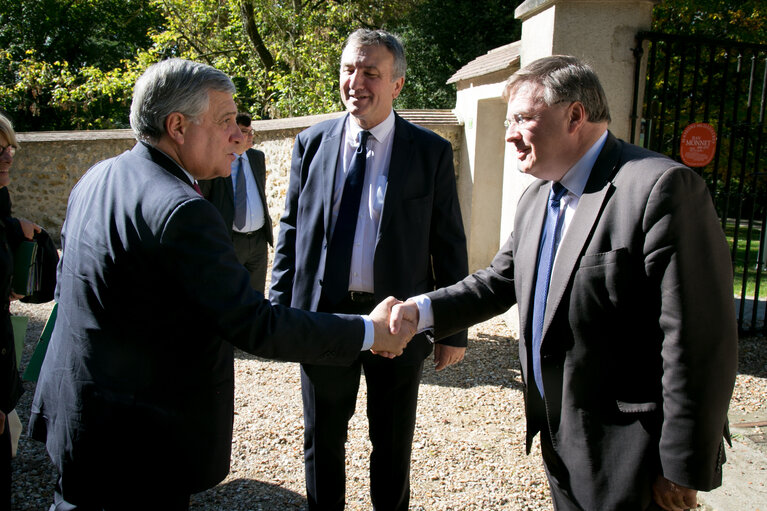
x: 425, y: 313
x: 370, y: 333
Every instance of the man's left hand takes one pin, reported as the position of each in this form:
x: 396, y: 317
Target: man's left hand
x: 673, y: 497
x: 445, y: 355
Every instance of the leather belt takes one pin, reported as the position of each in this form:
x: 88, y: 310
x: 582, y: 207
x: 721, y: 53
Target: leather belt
x: 247, y: 234
x: 361, y: 297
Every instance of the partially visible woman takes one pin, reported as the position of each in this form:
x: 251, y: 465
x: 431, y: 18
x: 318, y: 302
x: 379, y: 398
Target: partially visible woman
x: 12, y: 232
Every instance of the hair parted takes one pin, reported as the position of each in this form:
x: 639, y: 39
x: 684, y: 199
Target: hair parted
x: 173, y: 85
x: 563, y: 78
x: 365, y: 37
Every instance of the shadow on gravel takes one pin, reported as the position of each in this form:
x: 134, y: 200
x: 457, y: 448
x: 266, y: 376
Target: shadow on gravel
x: 752, y: 356
x: 247, y: 494
x: 489, y: 360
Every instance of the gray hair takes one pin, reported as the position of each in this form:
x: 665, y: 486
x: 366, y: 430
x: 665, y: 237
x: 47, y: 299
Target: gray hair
x: 174, y: 85
x: 363, y: 37
x: 6, y: 128
x: 563, y: 78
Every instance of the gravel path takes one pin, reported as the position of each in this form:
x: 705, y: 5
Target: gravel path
x: 468, y: 452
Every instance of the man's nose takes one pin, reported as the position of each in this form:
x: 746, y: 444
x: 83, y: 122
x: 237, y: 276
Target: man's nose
x: 356, y: 80
x: 237, y: 137
x: 512, y: 132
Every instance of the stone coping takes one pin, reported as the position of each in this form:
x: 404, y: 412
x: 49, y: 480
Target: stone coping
x: 420, y: 117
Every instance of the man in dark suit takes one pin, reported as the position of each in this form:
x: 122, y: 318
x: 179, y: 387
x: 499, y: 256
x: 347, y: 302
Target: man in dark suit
x: 402, y: 234
x: 628, y: 342
x: 135, y: 396
x: 241, y: 199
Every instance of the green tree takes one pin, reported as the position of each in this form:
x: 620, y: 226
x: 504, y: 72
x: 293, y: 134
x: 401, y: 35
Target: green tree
x: 441, y: 36
x: 744, y: 21
x: 64, y: 62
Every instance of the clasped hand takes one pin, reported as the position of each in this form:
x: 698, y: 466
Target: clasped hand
x: 393, y: 331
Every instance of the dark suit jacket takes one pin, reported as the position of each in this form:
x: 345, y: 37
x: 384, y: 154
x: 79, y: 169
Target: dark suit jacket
x: 421, y: 244
x: 639, y: 339
x: 137, y: 387
x: 220, y: 192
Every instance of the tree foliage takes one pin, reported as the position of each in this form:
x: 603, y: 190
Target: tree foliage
x: 744, y: 21
x: 68, y: 64
x: 71, y: 63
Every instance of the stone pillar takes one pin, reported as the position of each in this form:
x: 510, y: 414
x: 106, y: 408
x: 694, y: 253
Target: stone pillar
x: 600, y: 32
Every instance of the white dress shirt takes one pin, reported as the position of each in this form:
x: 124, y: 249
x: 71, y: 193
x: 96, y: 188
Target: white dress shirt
x: 379, y: 145
x: 254, y: 216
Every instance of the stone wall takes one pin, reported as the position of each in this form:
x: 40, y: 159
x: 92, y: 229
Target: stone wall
x: 49, y: 164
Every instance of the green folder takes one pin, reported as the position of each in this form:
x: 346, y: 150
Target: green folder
x: 36, y: 361
x: 19, y: 324
x: 25, y: 278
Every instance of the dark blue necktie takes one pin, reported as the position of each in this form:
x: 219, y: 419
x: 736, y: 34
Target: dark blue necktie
x: 548, y: 250
x: 240, y: 196
x: 336, y: 282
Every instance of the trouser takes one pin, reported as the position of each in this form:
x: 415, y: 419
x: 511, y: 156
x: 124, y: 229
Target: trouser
x: 131, y: 499
x: 5, y: 468
x: 252, y: 251
x: 329, y: 397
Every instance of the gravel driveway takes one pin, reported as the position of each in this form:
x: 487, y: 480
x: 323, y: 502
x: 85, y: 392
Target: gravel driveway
x: 468, y: 451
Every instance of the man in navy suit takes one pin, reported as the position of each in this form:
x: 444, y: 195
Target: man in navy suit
x: 135, y: 397
x: 241, y: 199
x: 403, y: 234
x: 628, y: 341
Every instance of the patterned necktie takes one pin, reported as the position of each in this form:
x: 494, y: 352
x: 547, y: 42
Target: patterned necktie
x: 196, y: 187
x: 240, y: 196
x: 548, y: 251
x: 338, y: 262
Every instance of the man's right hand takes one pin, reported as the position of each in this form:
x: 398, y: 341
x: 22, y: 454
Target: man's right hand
x: 386, y: 343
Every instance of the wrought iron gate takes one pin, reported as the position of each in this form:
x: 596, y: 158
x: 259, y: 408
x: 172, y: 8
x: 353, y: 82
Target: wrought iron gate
x: 723, y: 83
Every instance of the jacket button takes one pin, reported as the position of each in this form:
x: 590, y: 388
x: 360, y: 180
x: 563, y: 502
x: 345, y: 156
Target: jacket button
x: 4, y: 351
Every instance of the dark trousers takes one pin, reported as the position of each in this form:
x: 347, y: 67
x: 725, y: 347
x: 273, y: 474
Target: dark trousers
x: 252, y: 252
x: 330, y: 396
x: 128, y: 499
x: 5, y: 467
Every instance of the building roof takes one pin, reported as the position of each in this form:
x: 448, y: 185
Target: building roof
x: 498, y: 59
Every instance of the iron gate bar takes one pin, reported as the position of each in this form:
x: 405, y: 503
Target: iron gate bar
x: 674, y: 81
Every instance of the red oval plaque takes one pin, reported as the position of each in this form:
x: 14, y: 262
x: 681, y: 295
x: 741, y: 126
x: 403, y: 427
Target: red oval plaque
x: 698, y: 144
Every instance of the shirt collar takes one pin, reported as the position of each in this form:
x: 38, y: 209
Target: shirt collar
x: 378, y: 132
x: 182, y: 169
x: 575, y: 179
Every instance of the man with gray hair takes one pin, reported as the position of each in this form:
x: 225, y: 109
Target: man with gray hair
x: 135, y: 397
x: 628, y: 342
x: 371, y: 211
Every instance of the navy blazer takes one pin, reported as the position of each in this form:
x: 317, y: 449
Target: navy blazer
x: 420, y: 246
x: 137, y: 385
x: 639, y: 346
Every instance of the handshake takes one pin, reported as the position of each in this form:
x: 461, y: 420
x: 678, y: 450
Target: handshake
x: 395, y: 323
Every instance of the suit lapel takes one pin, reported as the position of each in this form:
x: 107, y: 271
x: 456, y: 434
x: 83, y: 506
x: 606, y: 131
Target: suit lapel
x: 329, y: 152
x: 598, y: 190
x: 398, y: 165
x: 257, y: 175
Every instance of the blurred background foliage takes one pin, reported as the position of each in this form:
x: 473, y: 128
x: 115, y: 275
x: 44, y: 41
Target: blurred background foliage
x: 71, y: 64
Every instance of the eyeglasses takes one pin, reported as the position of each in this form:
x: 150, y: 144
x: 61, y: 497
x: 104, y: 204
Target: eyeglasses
x: 10, y: 148
x: 519, y: 120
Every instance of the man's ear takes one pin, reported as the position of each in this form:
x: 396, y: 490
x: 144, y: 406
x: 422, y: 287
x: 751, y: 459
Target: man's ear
x: 577, y: 116
x: 398, y: 87
x: 175, y: 127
